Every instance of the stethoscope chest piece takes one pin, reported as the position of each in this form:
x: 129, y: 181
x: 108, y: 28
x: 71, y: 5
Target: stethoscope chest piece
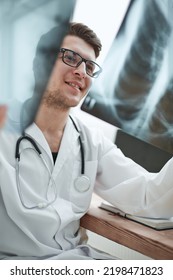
x: 82, y: 183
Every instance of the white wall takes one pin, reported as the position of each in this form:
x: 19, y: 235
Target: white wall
x: 104, y: 17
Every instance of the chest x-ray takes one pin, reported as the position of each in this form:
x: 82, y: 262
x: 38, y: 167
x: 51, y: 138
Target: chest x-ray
x: 22, y: 23
x: 135, y: 90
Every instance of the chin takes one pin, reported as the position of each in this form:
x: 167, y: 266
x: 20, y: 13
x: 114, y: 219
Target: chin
x: 74, y: 101
x: 74, y: 104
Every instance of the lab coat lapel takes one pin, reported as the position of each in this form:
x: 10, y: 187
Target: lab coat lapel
x: 68, y: 147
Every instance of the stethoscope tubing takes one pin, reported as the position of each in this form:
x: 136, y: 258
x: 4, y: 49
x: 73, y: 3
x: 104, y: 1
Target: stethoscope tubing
x: 25, y: 137
x: 82, y: 182
x: 81, y: 148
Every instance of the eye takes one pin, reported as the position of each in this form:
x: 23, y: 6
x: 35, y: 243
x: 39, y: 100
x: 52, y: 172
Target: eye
x: 90, y: 67
x: 70, y: 57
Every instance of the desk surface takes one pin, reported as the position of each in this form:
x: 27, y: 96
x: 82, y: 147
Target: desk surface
x: 152, y: 243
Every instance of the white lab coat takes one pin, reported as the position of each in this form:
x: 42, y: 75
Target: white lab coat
x: 53, y: 232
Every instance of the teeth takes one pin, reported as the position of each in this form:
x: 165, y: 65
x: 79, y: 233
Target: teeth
x: 74, y: 85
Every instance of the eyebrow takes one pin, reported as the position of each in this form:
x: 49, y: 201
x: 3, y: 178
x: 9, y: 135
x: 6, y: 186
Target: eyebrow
x: 94, y: 59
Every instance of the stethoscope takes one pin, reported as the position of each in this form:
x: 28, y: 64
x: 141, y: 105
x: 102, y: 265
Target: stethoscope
x: 81, y: 183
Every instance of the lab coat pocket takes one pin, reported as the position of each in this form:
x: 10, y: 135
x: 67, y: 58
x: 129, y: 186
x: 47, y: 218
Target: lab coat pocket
x: 82, y: 188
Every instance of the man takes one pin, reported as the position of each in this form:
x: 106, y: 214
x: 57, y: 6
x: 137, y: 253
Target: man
x: 43, y: 197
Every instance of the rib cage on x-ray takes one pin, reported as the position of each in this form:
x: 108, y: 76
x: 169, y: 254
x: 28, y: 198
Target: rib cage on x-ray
x: 135, y: 90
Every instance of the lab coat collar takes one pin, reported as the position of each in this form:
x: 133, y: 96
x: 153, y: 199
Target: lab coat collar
x: 34, y: 132
x: 68, y: 141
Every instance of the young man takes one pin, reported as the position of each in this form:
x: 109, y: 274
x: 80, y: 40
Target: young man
x: 43, y: 197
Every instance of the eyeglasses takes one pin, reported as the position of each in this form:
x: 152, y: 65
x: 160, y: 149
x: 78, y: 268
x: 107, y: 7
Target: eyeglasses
x: 73, y: 59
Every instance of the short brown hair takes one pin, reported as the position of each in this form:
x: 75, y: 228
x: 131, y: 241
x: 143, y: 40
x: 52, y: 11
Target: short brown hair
x: 84, y: 32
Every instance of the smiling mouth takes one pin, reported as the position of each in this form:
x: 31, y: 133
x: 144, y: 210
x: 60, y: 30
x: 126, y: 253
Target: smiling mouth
x: 74, y: 85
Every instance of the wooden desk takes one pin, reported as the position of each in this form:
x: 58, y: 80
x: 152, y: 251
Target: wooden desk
x: 152, y: 243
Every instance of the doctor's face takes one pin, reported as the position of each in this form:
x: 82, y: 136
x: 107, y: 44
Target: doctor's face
x: 68, y: 85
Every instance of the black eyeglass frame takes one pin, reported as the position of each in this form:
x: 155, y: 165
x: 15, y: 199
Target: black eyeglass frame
x: 95, y: 75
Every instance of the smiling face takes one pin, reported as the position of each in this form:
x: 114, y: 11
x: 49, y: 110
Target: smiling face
x: 68, y: 85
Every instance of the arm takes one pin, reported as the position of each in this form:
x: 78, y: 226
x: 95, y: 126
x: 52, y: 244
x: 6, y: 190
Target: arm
x: 132, y: 189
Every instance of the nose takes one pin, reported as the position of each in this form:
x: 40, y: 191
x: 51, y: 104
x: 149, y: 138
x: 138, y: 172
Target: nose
x: 81, y: 70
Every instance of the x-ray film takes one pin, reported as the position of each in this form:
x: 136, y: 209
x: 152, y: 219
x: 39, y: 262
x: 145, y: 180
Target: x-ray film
x: 22, y: 24
x: 135, y: 90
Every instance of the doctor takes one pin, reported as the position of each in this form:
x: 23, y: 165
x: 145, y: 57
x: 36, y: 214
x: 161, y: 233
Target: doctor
x: 44, y: 193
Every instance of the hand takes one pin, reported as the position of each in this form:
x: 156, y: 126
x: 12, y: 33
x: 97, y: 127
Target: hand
x: 3, y: 111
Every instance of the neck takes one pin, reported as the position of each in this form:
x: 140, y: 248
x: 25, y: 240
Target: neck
x: 52, y: 123
x: 50, y: 119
